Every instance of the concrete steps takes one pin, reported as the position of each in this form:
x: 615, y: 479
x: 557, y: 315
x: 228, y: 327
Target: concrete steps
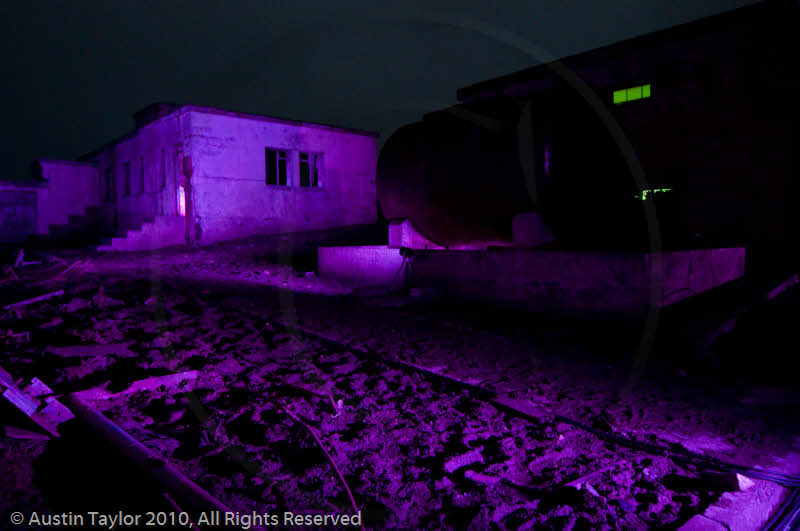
x: 161, y: 232
x: 96, y: 222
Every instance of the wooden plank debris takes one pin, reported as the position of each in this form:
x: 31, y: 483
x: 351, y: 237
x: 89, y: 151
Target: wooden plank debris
x: 577, y: 483
x: 18, y: 433
x: 77, y: 263
x: 46, y: 296
x: 36, y: 401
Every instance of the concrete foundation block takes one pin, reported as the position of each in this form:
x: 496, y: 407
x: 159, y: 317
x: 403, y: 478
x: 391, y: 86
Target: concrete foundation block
x: 373, y: 265
x: 529, y: 229
x: 561, y: 281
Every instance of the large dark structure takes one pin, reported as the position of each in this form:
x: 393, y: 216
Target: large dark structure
x: 707, y: 110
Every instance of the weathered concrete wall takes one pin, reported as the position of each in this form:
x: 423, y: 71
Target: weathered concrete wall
x: 231, y: 199
x: 152, y: 153
x: 573, y: 282
x: 17, y: 211
x: 361, y: 266
x: 70, y: 188
x: 403, y: 234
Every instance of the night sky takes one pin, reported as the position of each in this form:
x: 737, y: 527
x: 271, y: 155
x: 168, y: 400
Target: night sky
x: 74, y: 71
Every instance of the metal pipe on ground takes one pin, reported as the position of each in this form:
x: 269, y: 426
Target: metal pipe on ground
x: 191, y: 496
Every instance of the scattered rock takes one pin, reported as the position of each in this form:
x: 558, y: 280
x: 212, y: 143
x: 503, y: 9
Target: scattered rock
x: 76, y: 304
x: 481, y: 478
x: 451, y: 465
x: 80, y: 351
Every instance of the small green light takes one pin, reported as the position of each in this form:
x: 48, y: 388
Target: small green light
x: 634, y: 93
x: 643, y: 194
x: 646, y: 91
x: 620, y: 96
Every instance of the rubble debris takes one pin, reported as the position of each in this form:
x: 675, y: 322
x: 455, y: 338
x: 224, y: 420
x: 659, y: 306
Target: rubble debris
x: 481, y: 478
x: 51, y: 323
x: 783, y: 286
x: 698, y: 443
x: 77, y: 263
x: 8, y: 336
x: 460, y: 461
x: 592, y: 491
x: 18, y: 433
x: 46, y: 296
x: 179, y: 486
x: 728, y: 481
x: 328, y: 455
x: 102, y: 301
x: 338, y: 406
x: 577, y: 483
x: 76, y: 304
x: 36, y: 401
x: 526, y: 407
x: 148, y: 384
x: 120, y: 350
x: 9, y: 273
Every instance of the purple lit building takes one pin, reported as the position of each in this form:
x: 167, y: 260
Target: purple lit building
x: 202, y: 175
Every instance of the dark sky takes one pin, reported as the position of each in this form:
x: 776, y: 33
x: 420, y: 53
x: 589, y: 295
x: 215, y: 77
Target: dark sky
x: 74, y: 71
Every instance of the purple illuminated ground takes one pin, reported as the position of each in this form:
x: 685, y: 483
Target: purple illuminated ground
x: 415, y: 452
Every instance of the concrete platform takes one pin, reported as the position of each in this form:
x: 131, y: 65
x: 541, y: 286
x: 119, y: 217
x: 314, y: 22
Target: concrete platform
x: 538, y: 280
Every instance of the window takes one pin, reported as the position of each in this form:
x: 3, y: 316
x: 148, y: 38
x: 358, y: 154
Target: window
x: 310, y: 166
x: 126, y: 172
x: 107, y: 185
x: 140, y: 184
x: 631, y: 94
x: 277, y: 166
x: 163, y: 169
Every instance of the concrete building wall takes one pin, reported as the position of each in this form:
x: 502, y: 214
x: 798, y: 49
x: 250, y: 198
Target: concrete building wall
x: 151, y: 155
x: 70, y: 188
x: 230, y: 197
x: 17, y: 211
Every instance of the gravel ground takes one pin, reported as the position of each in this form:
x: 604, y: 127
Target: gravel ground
x: 255, y: 425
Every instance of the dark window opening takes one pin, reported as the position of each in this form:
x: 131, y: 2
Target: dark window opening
x: 163, y: 168
x: 107, y: 185
x: 126, y: 172
x: 140, y: 184
x: 277, y: 166
x: 310, y: 165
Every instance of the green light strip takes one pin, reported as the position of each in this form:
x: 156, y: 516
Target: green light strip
x: 631, y: 94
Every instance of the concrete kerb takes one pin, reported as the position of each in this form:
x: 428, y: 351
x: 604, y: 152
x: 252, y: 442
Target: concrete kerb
x: 750, y: 509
